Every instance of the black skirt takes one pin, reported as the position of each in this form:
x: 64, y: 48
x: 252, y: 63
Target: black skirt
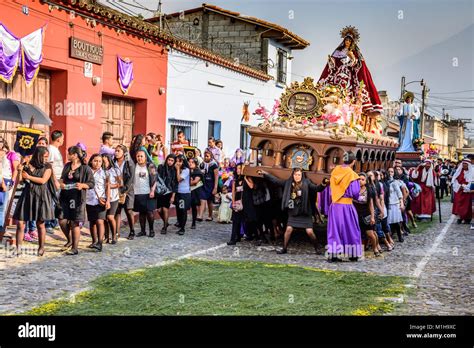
x: 144, y: 204
x: 196, y: 197
x: 182, y: 201
x: 72, y: 206
x: 34, y: 204
x: 163, y: 201
x: 364, y: 227
x: 95, y: 212
x: 300, y: 221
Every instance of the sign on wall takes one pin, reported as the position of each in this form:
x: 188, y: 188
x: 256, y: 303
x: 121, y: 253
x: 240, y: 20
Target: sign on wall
x: 84, y: 50
x: 88, y: 69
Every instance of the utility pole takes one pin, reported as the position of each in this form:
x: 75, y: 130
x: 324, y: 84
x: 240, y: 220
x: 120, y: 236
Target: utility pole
x: 402, y: 88
x: 423, y: 101
x: 159, y: 14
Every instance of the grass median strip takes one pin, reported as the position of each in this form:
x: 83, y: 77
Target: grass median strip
x: 197, y: 287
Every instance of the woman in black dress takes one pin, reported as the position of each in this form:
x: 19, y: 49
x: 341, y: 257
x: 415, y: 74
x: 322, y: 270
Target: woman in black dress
x: 365, y: 206
x: 196, y: 187
x: 76, y: 179
x: 244, y: 215
x: 296, y: 199
x: 37, y: 197
x: 167, y: 172
x: 126, y: 167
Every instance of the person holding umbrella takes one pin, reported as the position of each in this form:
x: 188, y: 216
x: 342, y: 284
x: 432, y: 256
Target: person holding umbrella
x: 19, y: 112
x: 36, y: 200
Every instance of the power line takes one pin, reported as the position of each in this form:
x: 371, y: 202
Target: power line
x: 122, y: 9
x: 457, y: 92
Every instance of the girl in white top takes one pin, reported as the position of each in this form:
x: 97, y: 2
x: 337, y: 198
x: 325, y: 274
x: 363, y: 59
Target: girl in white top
x: 97, y: 201
x: 115, y: 181
x: 144, y: 188
x: 395, y: 205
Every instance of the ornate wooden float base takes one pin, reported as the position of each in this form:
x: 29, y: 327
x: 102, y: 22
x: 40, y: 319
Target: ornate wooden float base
x: 278, y: 150
x: 409, y: 159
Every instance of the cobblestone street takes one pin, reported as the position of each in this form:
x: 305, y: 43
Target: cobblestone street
x: 437, y: 262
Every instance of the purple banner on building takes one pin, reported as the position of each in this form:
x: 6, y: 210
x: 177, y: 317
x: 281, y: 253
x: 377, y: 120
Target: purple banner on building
x: 125, y: 74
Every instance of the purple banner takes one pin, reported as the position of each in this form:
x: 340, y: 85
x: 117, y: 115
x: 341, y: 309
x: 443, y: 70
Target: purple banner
x: 25, y: 53
x: 125, y: 74
x: 9, y: 54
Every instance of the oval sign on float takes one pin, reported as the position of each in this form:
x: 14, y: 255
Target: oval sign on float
x: 302, y: 103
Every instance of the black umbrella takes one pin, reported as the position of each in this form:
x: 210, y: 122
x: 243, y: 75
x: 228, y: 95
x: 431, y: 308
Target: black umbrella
x: 16, y: 111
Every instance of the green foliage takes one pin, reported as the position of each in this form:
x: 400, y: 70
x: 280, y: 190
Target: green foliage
x: 196, y: 287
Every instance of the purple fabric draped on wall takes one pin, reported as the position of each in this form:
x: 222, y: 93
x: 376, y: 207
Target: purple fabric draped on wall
x: 25, y: 53
x: 125, y: 74
x: 9, y: 54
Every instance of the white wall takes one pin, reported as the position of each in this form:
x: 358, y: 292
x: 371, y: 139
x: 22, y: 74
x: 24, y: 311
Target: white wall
x: 190, y: 97
x: 273, y: 47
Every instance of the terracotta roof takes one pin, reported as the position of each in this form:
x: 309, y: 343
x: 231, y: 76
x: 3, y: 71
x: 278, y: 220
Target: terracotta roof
x: 291, y: 39
x: 146, y: 30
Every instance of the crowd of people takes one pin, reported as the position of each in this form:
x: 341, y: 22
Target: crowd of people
x: 364, y: 211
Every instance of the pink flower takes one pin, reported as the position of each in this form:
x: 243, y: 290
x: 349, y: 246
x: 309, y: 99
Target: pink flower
x: 313, y: 120
x: 331, y: 118
x: 305, y: 122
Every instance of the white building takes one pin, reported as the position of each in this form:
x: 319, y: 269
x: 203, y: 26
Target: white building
x: 241, y: 59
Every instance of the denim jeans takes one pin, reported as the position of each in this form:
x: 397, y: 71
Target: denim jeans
x: 51, y: 223
x: 30, y: 226
x: 3, y: 207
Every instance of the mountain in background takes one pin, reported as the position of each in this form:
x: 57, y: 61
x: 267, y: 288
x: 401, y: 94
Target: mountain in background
x: 436, y: 64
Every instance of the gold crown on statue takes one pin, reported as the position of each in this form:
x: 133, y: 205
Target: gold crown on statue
x: 350, y: 31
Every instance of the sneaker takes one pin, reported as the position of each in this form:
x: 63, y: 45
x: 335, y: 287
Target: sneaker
x: 50, y: 230
x: 27, y: 238
x: 472, y: 226
x: 33, y: 234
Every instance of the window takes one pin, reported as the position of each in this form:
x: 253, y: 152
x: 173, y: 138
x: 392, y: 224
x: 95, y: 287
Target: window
x: 281, y: 61
x: 244, y: 137
x: 190, y: 129
x: 214, y: 129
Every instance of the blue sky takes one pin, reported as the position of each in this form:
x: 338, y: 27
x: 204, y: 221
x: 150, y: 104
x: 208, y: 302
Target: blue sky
x: 430, y: 39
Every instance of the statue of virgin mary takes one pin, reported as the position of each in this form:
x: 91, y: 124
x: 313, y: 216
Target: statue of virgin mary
x: 409, y: 117
x: 346, y: 68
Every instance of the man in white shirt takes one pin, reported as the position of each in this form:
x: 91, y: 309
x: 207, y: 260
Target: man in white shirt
x: 57, y: 163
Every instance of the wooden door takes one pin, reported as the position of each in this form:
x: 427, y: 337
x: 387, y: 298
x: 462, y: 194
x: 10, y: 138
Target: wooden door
x: 118, y: 115
x: 38, y: 94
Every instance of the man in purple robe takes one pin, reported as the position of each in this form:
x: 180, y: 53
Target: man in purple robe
x: 344, y: 236
x: 324, y: 201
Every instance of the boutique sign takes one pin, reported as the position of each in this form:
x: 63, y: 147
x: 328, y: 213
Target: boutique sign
x: 86, y: 51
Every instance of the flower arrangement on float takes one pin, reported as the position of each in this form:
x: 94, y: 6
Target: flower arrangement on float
x: 339, y: 115
x: 432, y: 151
x: 418, y: 143
x: 265, y: 114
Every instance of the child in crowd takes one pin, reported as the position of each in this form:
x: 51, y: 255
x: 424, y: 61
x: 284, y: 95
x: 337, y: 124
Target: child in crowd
x: 225, y: 210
